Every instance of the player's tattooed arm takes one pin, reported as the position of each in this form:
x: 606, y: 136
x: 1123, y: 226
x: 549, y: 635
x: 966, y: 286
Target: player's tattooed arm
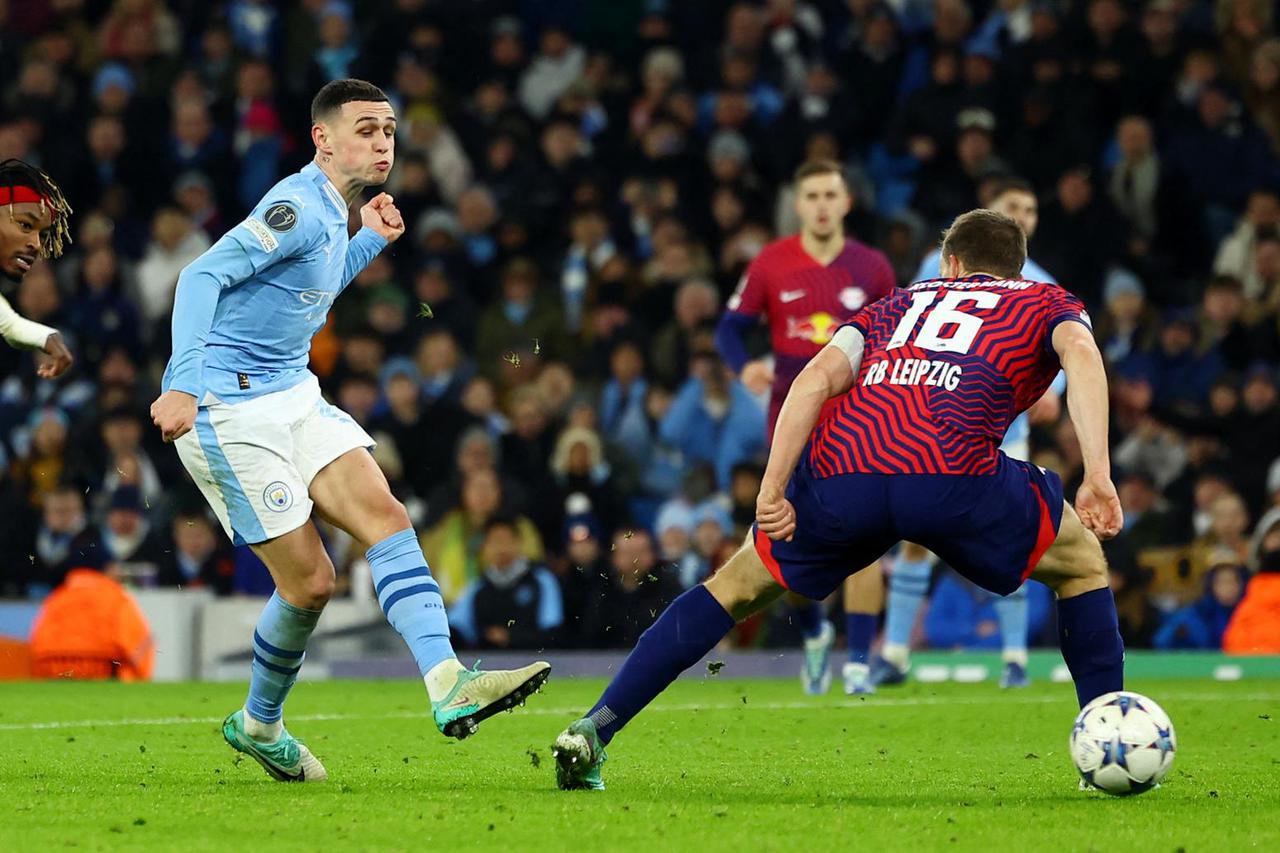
x: 1096, y: 501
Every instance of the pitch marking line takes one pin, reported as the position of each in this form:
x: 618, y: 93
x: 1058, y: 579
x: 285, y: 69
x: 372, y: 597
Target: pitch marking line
x: 870, y: 704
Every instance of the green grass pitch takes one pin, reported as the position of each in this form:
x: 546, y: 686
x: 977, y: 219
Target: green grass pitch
x: 716, y: 764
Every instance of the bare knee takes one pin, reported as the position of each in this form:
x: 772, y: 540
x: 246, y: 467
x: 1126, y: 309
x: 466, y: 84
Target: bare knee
x: 318, y: 588
x: 743, y: 585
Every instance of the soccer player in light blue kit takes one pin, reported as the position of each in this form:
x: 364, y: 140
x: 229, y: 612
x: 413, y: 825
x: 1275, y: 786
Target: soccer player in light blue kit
x: 910, y: 579
x: 266, y: 449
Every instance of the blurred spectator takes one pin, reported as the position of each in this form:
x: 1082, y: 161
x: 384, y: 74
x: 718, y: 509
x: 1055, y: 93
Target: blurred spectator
x: 1202, y: 624
x: 175, y: 243
x: 1235, y: 255
x: 523, y: 316
x: 513, y: 604
x: 1179, y: 376
x: 127, y: 538
x: 90, y: 627
x: 1255, y: 626
x: 198, y: 558
x: 628, y: 601
x: 714, y: 419
x: 452, y: 546
x: 963, y: 616
x: 1127, y: 323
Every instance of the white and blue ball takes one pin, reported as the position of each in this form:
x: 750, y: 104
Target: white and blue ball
x: 1123, y: 743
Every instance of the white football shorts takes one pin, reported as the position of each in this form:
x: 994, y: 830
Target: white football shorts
x: 254, y: 461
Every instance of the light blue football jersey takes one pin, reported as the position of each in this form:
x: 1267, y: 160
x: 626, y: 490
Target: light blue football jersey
x: 1020, y: 429
x: 245, y: 311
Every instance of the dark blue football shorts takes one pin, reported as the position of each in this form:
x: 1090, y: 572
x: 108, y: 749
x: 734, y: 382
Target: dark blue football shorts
x: 991, y: 528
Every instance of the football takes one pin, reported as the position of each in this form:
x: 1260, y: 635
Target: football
x: 1123, y: 743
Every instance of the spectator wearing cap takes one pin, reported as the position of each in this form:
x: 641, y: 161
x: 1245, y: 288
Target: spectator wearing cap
x: 260, y: 143
x: 514, y: 603
x: 127, y: 537
x: 1255, y: 625
x: 584, y: 567
x: 673, y: 527
x: 712, y: 527
x: 661, y: 72
x: 1126, y: 324
x: 949, y: 185
x: 194, y: 196
x: 1201, y: 625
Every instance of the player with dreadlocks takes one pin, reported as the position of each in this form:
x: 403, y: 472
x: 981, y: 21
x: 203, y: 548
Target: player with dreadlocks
x: 34, y: 222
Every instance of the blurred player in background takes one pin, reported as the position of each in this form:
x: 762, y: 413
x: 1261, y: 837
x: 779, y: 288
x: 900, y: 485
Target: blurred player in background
x: 891, y: 433
x: 266, y: 449
x: 806, y: 286
x: 35, y: 223
x: 909, y: 581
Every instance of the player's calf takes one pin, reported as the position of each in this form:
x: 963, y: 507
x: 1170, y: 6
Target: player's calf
x: 1088, y: 629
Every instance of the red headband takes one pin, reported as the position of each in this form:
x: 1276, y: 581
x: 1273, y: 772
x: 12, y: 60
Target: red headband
x: 21, y: 194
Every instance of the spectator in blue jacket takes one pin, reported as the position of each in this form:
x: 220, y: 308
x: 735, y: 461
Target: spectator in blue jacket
x: 962, y: 616
x: 714, y: 419
x: 1201, y: 625
x: 1179, y: 376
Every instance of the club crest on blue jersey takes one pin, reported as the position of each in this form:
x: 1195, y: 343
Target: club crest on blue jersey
x: 281, y: 217
x: 277, y: 496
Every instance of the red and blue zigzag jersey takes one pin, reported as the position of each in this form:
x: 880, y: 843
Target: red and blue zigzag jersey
x: 947, y: 364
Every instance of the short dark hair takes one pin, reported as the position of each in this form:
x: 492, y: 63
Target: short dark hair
x: 334, y: 94
x: 1010, y: 184
x: 986, y: 241
x: 821, y: 166
x: 502, y: 519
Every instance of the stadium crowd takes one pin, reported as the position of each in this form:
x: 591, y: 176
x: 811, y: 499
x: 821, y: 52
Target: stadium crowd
x: 585, y: 183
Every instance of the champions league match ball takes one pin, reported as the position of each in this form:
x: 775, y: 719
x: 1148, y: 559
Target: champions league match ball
x: 1123, y: 743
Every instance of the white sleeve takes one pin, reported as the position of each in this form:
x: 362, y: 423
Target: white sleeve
x: 849, y: 341
x: 19, y: 331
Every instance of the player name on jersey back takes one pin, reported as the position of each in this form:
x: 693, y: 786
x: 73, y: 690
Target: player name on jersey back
x: 915, y: 371
x: 947, y: 364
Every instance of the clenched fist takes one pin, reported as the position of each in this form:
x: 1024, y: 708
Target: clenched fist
x: 382, y: 216
x: 175, y: 413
